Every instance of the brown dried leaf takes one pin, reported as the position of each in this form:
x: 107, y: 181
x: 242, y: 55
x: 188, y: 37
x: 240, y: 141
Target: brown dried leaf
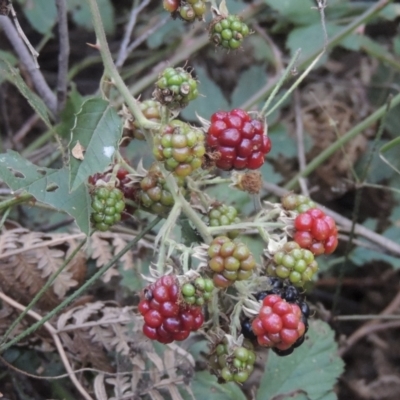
x: 127, y: 259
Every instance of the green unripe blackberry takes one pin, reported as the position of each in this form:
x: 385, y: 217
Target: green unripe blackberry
x: 181, y: 148
x: 154, y: 195
x: 175, y: 87
x: 107, y: 204
x: 151, y: 109
x: 229, y: 261
x: 234, y: 363
x: 222, y: 215
x: 297, y: 202
x: 197, y: 292
x: 228, y: 32
x: 293, y: 263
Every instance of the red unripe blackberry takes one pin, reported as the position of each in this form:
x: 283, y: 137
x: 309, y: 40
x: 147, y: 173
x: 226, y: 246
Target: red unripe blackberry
x: 237, y: 141
x: 279, y: 323
x: 166, y: 316
x: 316, y: 232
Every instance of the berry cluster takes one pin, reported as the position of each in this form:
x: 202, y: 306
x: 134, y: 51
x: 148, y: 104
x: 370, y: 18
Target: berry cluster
x: 222, y: 215
x: 198, y: 292
x: 278, y: 323
x: 154, y: 195
x: 228, y: 32
x: 238, y: 141
x: 188, y: 10
x: 123, y: 182
x: 229, y: 261
x: 175, y: 88
x: 290, y: 294
x: 316, y: 232
x: 151, y: 109
x: 108, y: 204
x: 294, y: 263
x: 233, y: 364
x: 180, y: 147
x: 297, y: 202
x: 166, y: 318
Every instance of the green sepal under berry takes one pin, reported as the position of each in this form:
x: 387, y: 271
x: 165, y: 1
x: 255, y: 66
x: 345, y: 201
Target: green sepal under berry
x: 228, y: 31
x: 297, y: 202
x: 229, y: 261
x: 154, y: 195
x: 232, y: 363
x: 197, y: 292
x: 223, y: 215
x: 181, y: 148
x: 107, y: 204
x: 293, y: 263
x: 175, y: 88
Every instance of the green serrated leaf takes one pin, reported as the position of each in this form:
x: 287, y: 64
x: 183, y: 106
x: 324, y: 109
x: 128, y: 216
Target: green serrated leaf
x: 310, y: 38
x: 73, y: 105
x: 283, y: 144
x: 311, y: 370
x: 250, y: 81
x: 97, y: 129
x: 168, y: 33
x: 378, y: 170
x: 13, y: 75
x: 299, y: 12
x: 49, y: 186
x: 205, y: 387
x: 376, y: 50
x: 361, y: 256
x: 41, y: 14
x: 269, y: 175
x: 81, y: 15
x: 210, y: 99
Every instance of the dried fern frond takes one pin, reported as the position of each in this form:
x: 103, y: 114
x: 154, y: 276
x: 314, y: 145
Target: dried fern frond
x: 103, y: 246
x: 29, y: 258
x: 114, y: 329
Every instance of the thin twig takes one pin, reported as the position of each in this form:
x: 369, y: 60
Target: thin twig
x: 57, y: 342
x: 34, y: 53
x: 137, y: 42
x: 123, y: 51
x: 63, y: 55
x: 368, y: 327
x: 301, y: 153
x: 26, y: 60
x: 26, y: 127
